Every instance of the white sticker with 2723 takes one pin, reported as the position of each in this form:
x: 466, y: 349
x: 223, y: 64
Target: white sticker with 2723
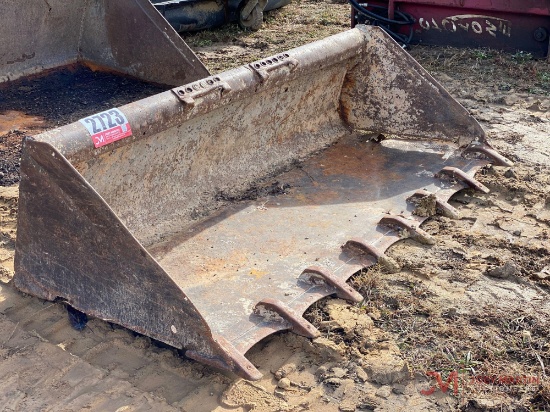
x: 107, y: 127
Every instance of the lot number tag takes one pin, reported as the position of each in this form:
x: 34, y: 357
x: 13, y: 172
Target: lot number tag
x: 107, y: 127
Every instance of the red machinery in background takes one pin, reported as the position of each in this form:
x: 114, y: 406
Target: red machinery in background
x: 510, y: 25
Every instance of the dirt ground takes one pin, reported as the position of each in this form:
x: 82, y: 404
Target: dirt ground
x: 474, y: 306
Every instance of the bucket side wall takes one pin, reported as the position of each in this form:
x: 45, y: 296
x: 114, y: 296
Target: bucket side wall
x: 131, y: 37
x: 125, y: 36
x: 38, y: 35
x: 389, y: 92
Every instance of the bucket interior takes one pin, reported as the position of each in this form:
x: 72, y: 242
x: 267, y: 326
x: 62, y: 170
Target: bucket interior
x: 33, y: 104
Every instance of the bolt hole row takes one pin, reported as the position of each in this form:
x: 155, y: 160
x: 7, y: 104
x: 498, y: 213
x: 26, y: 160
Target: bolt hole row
x: 271, y: 61
x: 200, y: 85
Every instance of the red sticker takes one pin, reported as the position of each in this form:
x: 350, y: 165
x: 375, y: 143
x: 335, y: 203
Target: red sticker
x: 107, y: 127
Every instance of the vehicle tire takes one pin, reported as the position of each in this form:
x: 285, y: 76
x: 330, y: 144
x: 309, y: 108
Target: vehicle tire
x: 254, y: 20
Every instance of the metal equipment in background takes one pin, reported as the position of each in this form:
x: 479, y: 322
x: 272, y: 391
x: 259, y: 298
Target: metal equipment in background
x: 125, y: 36
x: 513, y: 25
x: 192, y: 15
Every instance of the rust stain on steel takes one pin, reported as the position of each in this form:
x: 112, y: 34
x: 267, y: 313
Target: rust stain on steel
x: 13, y: 119
x: 359, y: 165
x: 316, y: 197
x: 346, y: 104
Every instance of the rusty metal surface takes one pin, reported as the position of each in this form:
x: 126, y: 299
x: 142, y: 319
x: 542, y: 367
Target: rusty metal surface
x: 391, y: 93
x: 127, y: 36
x: 258, y: 249
x: 235, y: 202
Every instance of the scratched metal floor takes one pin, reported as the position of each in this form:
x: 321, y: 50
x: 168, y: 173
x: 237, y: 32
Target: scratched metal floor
x: 257, y: 249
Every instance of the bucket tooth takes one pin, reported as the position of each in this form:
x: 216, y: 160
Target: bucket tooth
x: 273, y: 310
x: 456, y: 173
x: 444, y: 207
x: 415, y: 232
x: 496, y: 158
x: 359, y: 245
x: 316, y: 274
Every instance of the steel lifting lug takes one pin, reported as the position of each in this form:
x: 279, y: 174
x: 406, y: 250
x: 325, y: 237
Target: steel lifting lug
x: 263, y: 67
x: 189, y: 92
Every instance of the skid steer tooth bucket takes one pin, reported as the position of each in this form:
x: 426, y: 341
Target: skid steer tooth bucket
x: 124, y: 36
x: 241, y: 199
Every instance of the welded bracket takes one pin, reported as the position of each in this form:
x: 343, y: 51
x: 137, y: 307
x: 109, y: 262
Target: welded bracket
x: 264, y: 66
x: 189, y: 92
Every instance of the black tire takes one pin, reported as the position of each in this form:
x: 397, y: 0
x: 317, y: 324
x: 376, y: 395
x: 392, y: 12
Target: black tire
x: 254, y: 20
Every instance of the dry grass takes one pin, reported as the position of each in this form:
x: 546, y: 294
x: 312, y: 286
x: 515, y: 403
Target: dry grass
x: 302, y: 21
x: 504, y: 72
